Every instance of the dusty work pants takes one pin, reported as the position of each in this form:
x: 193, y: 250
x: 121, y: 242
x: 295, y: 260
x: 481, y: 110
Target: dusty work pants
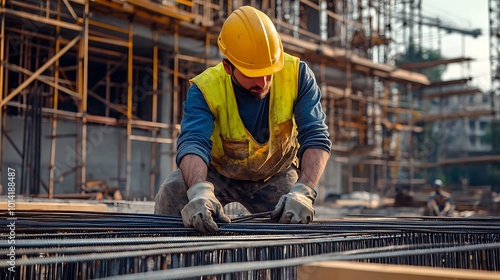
x: 255, y: 196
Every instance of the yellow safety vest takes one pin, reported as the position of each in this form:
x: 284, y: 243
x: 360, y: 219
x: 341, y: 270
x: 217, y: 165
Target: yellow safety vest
x: 235, y: 153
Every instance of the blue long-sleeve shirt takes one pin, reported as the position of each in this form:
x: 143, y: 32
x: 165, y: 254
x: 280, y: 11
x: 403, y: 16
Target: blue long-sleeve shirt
x: 197, y: 124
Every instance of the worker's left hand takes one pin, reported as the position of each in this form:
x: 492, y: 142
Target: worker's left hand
x: 296, y: 207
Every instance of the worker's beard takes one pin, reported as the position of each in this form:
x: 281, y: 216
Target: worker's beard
x: 255, y: 92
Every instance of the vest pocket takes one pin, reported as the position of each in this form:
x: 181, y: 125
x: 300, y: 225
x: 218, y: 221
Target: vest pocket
x: 235, y: 148
x: 288, y: 136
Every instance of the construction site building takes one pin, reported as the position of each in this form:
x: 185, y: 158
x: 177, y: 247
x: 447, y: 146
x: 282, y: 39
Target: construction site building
x: 93, y: 91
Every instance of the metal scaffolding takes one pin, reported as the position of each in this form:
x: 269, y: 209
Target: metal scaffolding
x: 494, y: 33
x: 356, y: 98
x: 148, y: 50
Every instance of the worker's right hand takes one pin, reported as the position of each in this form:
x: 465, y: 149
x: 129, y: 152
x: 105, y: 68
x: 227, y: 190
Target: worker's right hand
x: 296, y: 207
x: 202, y: 208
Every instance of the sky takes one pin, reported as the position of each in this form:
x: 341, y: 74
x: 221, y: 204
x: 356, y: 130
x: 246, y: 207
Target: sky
x: 468, y: 14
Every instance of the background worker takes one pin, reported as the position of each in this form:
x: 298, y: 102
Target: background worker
x: 253, y: 132
x: 440, y: 203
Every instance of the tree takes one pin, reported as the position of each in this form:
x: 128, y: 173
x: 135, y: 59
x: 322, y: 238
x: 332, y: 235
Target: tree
x: 420, y: 54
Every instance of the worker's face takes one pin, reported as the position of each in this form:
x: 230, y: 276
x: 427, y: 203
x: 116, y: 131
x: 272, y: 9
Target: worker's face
x: 258, y: 87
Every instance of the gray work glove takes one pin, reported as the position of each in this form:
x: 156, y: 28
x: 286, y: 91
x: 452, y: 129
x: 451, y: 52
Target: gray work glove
x: 202, y: 208
x: 296, y: 207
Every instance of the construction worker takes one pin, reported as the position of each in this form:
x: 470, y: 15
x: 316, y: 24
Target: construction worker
x: 253, y: 132
x: 440, y: 203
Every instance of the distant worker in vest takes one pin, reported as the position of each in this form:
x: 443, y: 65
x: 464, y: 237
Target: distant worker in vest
x: 253, y: 132
x: 440, y: 203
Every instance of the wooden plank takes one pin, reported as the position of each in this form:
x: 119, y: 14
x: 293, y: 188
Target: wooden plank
x: 460, y: 161
x: 165, y: 10
x: 40, y: 19
x: 428, y: 64
x: 450, y: 93
x: 56, y: 206
x: 338, y: 270
x: 360, y: 63
x: 188, y: 3
x: 403, y: 75
x: 451, y: 116
x: 449, y: 82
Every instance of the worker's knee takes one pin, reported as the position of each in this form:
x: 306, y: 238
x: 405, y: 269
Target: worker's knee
x: 172, y: 196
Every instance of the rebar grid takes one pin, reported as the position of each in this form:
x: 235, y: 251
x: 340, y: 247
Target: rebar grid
x: 50, y: 245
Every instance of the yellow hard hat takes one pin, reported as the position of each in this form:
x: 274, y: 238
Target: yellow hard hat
x: 251, y: 43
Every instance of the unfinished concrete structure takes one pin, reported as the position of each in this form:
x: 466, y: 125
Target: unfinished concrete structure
x: 93, y: 90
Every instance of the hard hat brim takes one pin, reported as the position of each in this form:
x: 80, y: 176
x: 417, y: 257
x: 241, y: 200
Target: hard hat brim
x: 254, y: 73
